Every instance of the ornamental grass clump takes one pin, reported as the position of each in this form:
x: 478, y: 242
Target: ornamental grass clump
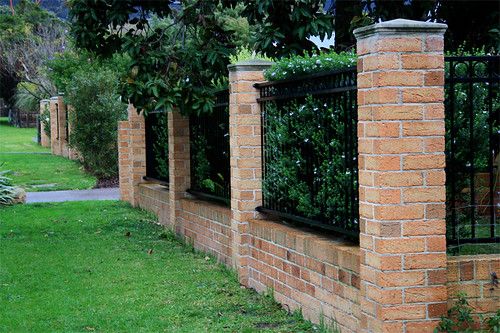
x: 7, y: 191
x: 298, y: 65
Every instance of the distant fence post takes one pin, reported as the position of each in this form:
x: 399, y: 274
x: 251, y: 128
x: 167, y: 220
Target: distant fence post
x: 179, y: 163
x: 401, y: 175
x: 131, y: 155
x: 246, y: 156
x: 55, y: 143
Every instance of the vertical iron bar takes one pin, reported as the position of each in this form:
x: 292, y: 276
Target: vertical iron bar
x: 451, y: 163
x: 491, y: 149
x: 470, y: 96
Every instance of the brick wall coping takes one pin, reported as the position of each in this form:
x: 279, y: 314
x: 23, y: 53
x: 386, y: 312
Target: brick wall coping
x: 155, y: 187
x: 201, y: 207
x: 474, y: 257
x: 250, y: 65
x: 400, y: 27
x: 308, y: 242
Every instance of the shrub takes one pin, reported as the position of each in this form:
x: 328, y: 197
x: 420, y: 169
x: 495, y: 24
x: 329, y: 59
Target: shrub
x: 45, y: 120
x: 307, y: 64
x: 307, y: 167
x: 247, y: 54
x: 62, y: 69
x: 460, y: 319
x: 7, y: 191
x: 96, y: 109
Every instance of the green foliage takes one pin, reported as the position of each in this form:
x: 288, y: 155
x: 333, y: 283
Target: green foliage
x: 27, y: 39
x: 96, y: 107
x: 45, y: 119
x: 460, y: 318
x: 297, y: 65
x: 179, y: 55
x: 27, y: 97
x: 7, y: 191
x: 160, y: 146
x: 102, y: 25
x: 177, y: 64
x: 66, y: 65
x: 282, y: 27
x: 464, y: 145
x: 29, y: 18
x: 245, y: 54
x: 201, y: 163
x: 312, y: 130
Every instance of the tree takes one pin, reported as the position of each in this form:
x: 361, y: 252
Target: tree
x: 283, y: 27
x: 27, y: 40
x: 179, y: 61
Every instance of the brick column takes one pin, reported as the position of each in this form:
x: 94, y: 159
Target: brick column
x: 63, y: 137
x: 55, y: 144
x: 178, y: 164
x: 131, y: 155
x: 401, y: 175
x: 44, y: 138
x: 246, y: 156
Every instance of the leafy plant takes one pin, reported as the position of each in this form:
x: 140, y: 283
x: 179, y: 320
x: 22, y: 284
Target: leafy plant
x: 7, y: 191
x: 160, y: 146
x: 183, y: 50
x: 247, y: 54
x: 307, y: 166
x: 468, y: 148
x: 27, y: 97
x: 460, y: 318
x: 96, y: 107
x: 45, y: 119
x: 282, y: 28
x: 297, y: 65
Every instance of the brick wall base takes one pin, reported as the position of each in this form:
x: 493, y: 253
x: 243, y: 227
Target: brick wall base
x: 307, y: 271
x: 473, y: 276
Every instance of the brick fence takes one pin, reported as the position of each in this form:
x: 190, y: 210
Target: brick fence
x: 398, y: 279
x: 60, y: 128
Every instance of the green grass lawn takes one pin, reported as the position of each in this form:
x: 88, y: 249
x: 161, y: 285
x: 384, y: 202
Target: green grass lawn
x: 32, y: 166
x: 71, y: 267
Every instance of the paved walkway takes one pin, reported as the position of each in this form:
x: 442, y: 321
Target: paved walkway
x: 60, y: 196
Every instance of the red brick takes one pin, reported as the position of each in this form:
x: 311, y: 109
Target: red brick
x: 420, y: 261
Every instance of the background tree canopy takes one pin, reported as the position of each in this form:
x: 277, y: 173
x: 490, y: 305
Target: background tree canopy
x: 180, y: 49
x: 28, y: 38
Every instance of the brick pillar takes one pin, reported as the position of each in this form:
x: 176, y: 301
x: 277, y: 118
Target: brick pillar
x: 63, y: 130
x: 246, y: 156
x: 401, y: 175
x: 131, y: 155
x: 44, y: 138
x: 178, y: 164
x: 55, y: 144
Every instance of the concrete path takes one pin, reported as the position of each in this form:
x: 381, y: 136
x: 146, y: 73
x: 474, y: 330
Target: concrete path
x: 60, y: 196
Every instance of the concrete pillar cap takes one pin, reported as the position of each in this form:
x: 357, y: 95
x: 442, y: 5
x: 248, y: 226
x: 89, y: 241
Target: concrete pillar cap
x: 400, y: 27
x: 250, y: 65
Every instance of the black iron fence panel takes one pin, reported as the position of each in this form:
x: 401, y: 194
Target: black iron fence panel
x: 157, y: 146
x: 309, y: 148
x: 210, y: 154
x: 472, y: 86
